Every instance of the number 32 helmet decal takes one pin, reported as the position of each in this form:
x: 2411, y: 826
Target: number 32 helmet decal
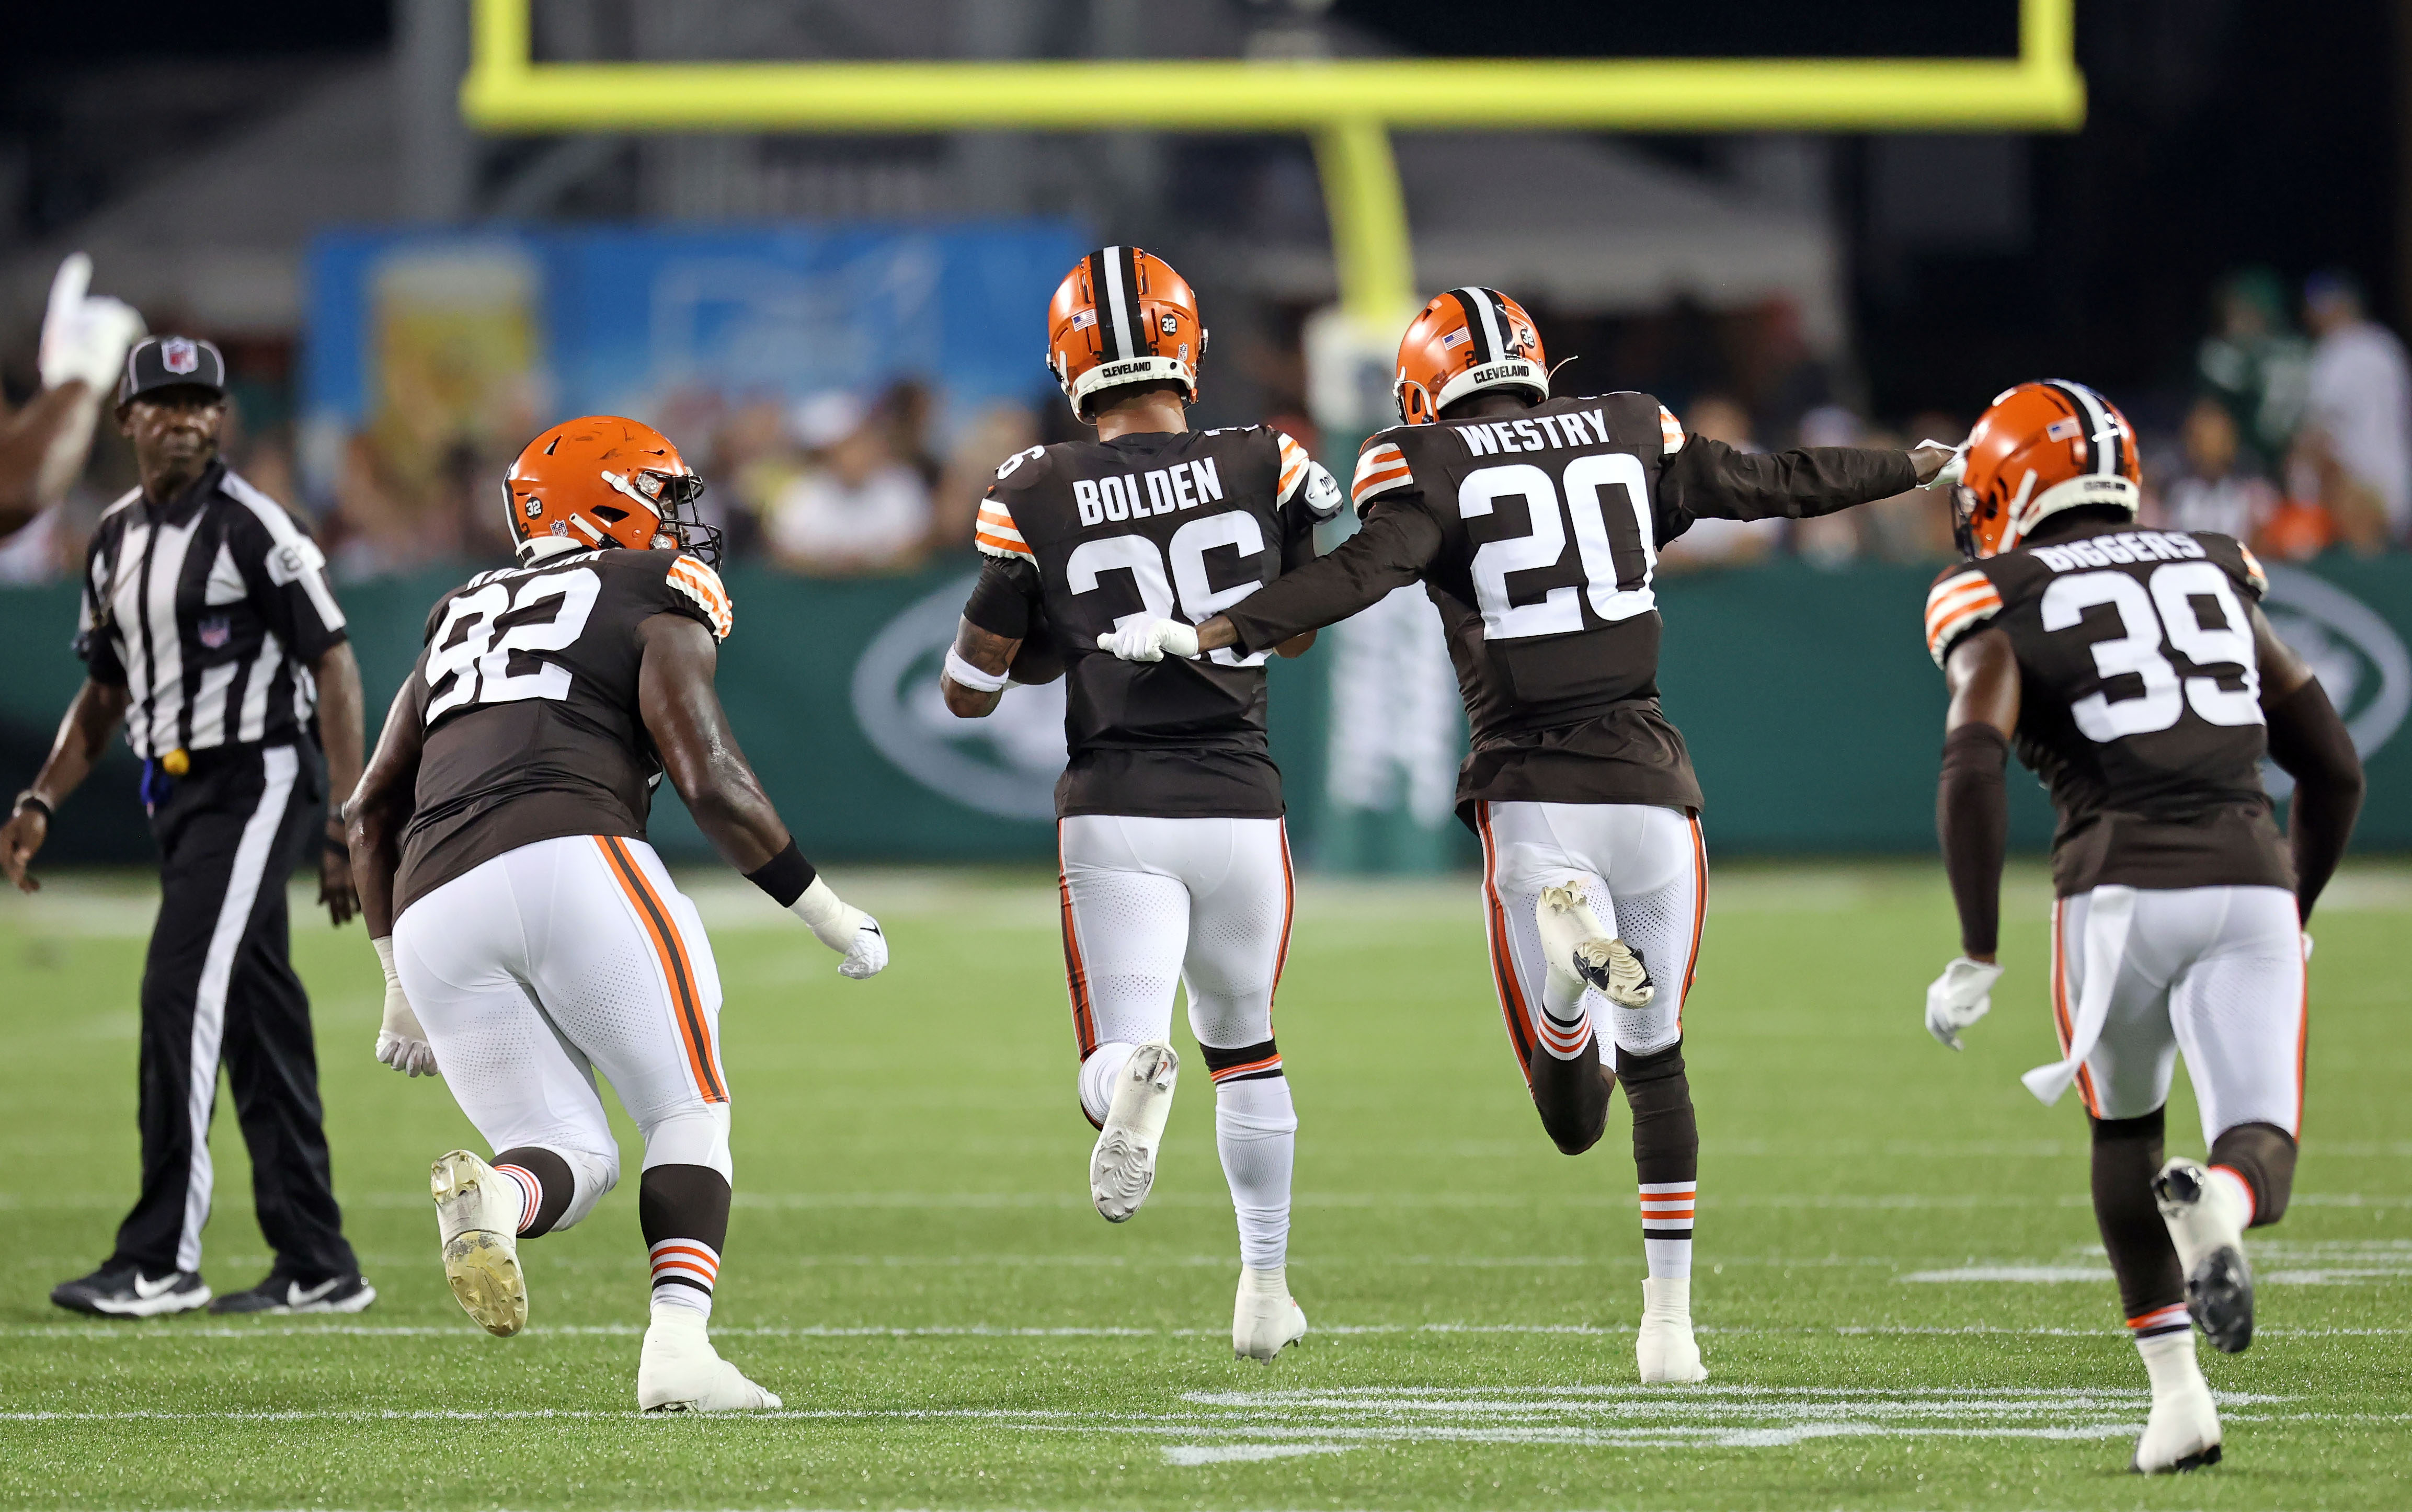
x: 2037, y: 449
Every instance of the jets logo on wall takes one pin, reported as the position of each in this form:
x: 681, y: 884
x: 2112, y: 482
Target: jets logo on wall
x: 1005, y: 764
x: 2360, y: 660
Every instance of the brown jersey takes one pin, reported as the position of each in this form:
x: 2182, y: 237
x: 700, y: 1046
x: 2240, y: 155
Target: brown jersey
x: 1179, y: 525
x: 1538, y: 536
x: 526, y: 689
x: 2139, y: 701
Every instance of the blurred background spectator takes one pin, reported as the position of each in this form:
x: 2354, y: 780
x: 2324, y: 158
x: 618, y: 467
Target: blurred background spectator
x: 2357, y: 430
x: 855, y: 506
x: 2256, y: 365
x: 2213, y: 492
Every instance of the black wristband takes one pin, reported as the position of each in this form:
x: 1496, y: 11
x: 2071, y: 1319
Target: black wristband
x: 31, y: 799
x: 337, y: 845
x: 784, y: 876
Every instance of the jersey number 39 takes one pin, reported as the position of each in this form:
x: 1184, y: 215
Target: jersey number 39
x: 2222, y: 652
x: 468, y: 651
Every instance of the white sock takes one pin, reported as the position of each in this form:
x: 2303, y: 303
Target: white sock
x: 684, y: 1273
x: 1256, y: 1130
x: 2240, y: 1195
x: 1667, y: 1227
x: 2169, y: 1361
x: 1097, y: 1074
x: 1565, y: 1009
x: 531, y: 1194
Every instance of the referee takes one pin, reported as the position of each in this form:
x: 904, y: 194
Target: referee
x: 209, y: 633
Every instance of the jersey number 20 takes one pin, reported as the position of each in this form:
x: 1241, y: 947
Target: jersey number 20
x: 479, y: 660
x: 2137, y: 650
x: 1614, y: 539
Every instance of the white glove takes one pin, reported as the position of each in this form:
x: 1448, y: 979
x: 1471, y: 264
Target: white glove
x: 1958, y: 998
x: 2307, y: 947
x: 401, y: 1043
x: 84, y: 336
x: 843, y: 928
x: 1144, y: 638
x: 1953, y: 470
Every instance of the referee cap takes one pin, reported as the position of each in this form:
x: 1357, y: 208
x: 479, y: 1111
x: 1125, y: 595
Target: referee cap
x: 170, y: 363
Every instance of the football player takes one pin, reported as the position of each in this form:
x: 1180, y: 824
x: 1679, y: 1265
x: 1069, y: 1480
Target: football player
x: 529, y: 934
x: 2135, y: 674
x: 1535, y: 525
x: 1175, y: 866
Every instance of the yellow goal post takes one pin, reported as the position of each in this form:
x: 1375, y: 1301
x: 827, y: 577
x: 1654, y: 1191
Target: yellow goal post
x: 1347, y: 107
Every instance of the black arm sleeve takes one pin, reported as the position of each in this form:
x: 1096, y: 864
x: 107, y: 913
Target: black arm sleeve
x: 1711, y: 480
x: 2311, y: 742
x: 1972, y: 817
x: 1397, y: 542
x: 1006, y: 600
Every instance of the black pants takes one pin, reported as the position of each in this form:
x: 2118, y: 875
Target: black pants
x: 219, y: 986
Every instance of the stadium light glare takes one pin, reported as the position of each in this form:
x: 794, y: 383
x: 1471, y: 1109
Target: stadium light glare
x: 1347, y: 106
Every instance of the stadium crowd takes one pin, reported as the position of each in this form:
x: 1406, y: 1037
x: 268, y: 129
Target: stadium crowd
x: 2293, y: 433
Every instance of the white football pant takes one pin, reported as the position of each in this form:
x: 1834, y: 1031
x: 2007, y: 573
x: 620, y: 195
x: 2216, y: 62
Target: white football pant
x: 540, y: 967
x: 1644, y: 870
x: 1152, y: 904
x: 2214, y: 972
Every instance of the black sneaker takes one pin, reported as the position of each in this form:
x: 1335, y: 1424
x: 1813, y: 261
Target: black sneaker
x: 127, y: 1293
x: 282, y: 1294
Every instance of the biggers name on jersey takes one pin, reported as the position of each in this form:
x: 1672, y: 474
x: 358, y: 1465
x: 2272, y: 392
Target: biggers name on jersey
x: 1575, y: 428
x: 2127, y: 546
x: 1184, y: 485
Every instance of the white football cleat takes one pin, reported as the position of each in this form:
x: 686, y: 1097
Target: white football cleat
x: 2183, y: 1433
x: 478, y: 1217
x: 1122, y: 1167
x: 1665, y: 1347
x: 2206, y: 1221
x: 679, y: 1371
x: 1573, y: 940
x: 1265, y: 1318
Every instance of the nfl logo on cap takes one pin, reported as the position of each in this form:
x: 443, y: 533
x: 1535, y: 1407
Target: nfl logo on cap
x: 178, y: 354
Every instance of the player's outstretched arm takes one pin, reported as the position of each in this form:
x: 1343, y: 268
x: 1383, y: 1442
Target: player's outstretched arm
x: 98, y: 708
x: 1711, y: 480
x: 1972, y: 820
x: 682, y: 712
x: 2310, y: 741
x: 375, y: 817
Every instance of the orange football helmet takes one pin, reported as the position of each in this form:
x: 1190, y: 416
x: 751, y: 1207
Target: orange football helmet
x: 1465, y: 341
x: 1123, y: 315
x: 602, y: 481
x: 2037, y: 449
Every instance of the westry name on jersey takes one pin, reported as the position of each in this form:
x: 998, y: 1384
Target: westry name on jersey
x: 2127, y: 546
x: 1184, y: 485
x: 1539, y: 434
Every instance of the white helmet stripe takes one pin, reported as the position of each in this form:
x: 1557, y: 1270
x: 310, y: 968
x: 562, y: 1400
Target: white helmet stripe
x: 2103, y: 440
x: 1484, y: 306
x: 1118, y: 302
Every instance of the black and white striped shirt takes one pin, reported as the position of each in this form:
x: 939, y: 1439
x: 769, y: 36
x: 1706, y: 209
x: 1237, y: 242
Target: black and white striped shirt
x: 210, y: 611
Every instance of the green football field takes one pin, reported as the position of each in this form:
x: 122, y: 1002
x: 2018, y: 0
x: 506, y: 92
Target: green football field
x: 1903, y: 1300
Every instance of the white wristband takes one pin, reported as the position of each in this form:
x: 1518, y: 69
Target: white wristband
x: 969, y: 675
x: 384, y: 944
